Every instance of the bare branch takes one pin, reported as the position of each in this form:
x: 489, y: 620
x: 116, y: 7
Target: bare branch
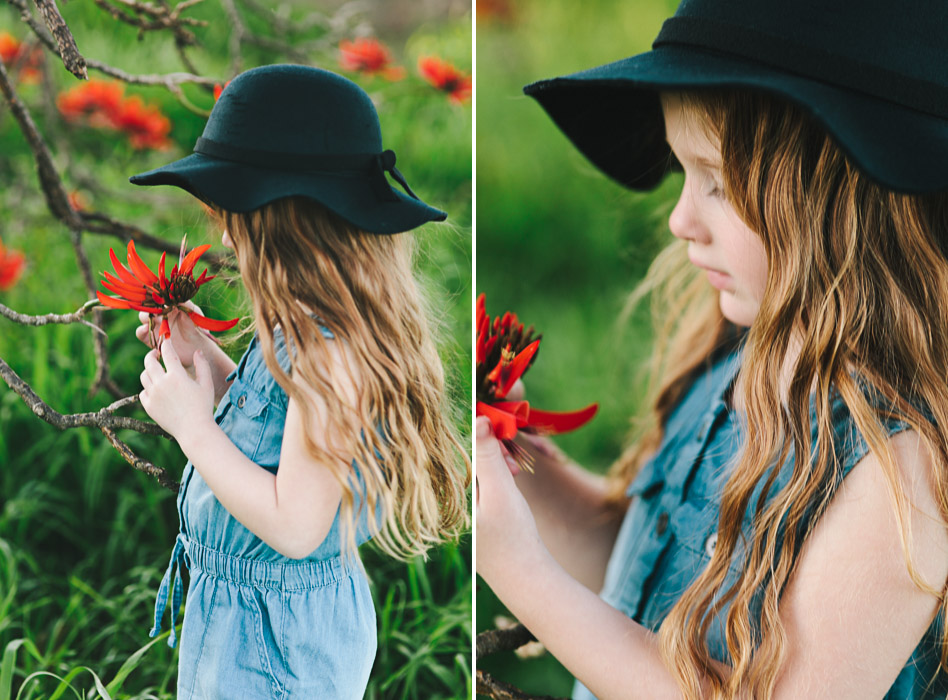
x: 97, y: 222
x: 74, y: 420
x: 493, y: 688
x: 492, y: 641
x: 74, y: 317
x: 66, y: 44
x: 162, y: 476
x: 167, y: 81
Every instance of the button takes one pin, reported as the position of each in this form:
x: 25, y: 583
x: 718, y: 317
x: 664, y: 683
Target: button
x: 241, y: 401
x: 662, y: 524
x: 710, y: 544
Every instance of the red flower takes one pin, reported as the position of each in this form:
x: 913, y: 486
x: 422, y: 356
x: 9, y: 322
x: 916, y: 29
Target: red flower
x: 12, y: 263
x: 369, y: 56
x: 104, y: 105
x: 218, y: 89
x: 504, y: 351
x: 96, y: 100
x: 446, y: 78
x: 145, y: 124
x: 10, y: 47
x: 141, y: 289
x: 13, y: 51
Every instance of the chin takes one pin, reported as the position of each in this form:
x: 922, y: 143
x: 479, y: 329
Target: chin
x: 738, y: 311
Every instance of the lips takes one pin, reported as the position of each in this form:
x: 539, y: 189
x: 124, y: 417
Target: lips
x: 717, y: 278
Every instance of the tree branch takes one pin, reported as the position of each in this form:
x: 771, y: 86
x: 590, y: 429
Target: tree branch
x: 492, y: 641
x: 74, y: 317
x: 493, y: 688
x: 66, y: 44
x: 143, y: 465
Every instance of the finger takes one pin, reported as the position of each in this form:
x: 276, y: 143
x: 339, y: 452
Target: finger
x: 491, y: 464
x: 143, y: 335
x: 511, y: 462
x: 202, y: 372
x: 143, y: 317
x: 145, y: 380
x: 170, y: 356
x: 153, y: 366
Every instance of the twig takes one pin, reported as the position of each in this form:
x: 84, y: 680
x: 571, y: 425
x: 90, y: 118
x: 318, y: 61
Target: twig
x: 96, y: 222
x: 493, y: 688
x: 74, y: 317
x: 66, y: 44
x: 492, y: 641
x: 162, y: 476
x: 74, y: 420
x: 166, y: 80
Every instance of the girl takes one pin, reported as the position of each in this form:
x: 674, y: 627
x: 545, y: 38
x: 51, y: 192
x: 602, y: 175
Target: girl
x: 780, y: 530
x: 332, y: 428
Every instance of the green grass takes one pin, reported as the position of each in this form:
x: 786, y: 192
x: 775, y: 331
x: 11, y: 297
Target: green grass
x: 561, y: 244
x: 84, y: 539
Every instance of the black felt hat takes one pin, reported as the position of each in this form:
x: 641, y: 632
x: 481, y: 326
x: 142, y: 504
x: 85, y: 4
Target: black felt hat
x: 873, y: 72
x: 284, y: 130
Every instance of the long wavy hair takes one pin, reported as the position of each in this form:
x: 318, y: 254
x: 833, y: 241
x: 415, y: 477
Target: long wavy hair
x: 305, y: 267
x: 857, y: 296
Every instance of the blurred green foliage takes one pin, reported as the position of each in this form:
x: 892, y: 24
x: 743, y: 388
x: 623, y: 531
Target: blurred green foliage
x: 561, y: 244
x: 84, y: 539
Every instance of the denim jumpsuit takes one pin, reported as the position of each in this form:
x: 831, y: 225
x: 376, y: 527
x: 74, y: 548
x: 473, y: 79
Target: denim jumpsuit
x: 670, y: 529
x: 258, y: 624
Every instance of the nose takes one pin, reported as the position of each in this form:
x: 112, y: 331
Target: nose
x: 684, y: 221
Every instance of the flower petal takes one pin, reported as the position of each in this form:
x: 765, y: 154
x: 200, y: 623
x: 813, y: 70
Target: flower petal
x: 138, y: 266
x: 210, y: 323
x: 552, y: 422
x: 123, y: 271
x: 191, y: 259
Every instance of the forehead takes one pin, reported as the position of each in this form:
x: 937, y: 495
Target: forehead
x: 687, y: 131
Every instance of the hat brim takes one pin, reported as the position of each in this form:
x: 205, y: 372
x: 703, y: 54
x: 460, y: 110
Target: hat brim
x: 241, y: 188
x: 612, y: 114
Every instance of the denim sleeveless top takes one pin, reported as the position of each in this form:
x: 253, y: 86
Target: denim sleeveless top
x: 257, y: 623
x: 670, y: 528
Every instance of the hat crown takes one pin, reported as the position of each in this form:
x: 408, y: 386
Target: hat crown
x: 295, y: 109
x: 831, y: 40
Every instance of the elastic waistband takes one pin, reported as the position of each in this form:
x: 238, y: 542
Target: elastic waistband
x: 288, y: 576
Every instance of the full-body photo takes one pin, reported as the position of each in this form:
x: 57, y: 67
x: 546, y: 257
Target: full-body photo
x: 332, y: 428
x: 778, y: 526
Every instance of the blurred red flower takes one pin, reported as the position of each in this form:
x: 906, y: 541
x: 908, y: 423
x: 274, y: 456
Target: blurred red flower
x: 146, y: 126
x: 103, y: 104
x: 218, y: 89
x: 369, y: 56
x: 12, y: 263
x: 12, y: 51
x: 140, y: 289
x: 446, y: 78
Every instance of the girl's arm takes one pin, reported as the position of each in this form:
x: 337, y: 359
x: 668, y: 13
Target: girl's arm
x: 574, y: 519
x: 292, y: 510
x: 851, y: 612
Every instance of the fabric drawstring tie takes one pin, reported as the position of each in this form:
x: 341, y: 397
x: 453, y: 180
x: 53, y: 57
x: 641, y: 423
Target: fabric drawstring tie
x: 171, y: 581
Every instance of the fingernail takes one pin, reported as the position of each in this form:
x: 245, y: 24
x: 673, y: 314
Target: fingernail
x: 483, y: 428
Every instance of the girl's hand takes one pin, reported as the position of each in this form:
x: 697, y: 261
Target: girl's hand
x: 506, y: 529
x: 186, y: 337
x: 174, y: 401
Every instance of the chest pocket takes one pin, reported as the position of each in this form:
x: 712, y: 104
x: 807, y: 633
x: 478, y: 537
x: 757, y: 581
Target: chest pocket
x: 254, y: 423
x: 694, y: 528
